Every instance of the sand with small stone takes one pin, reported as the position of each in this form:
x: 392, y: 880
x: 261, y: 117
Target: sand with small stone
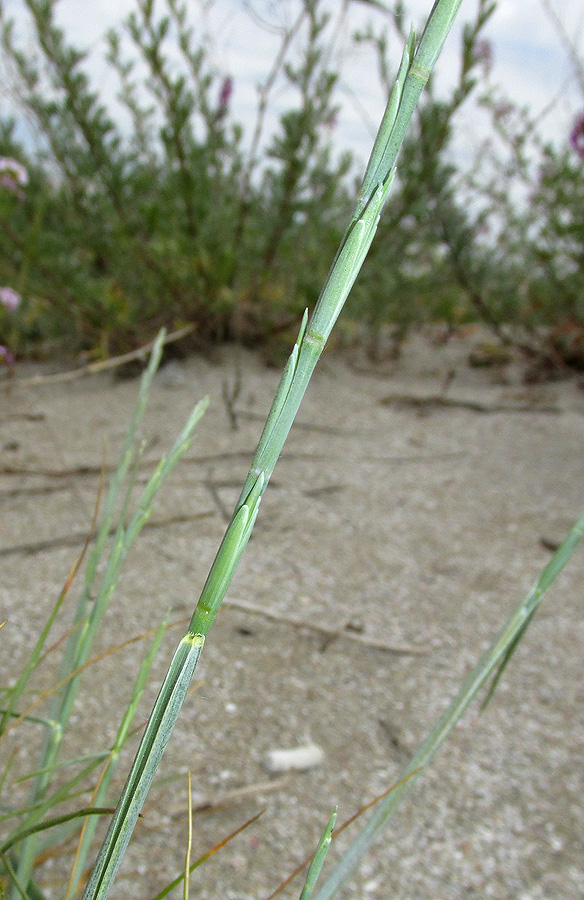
x: 401, y: 532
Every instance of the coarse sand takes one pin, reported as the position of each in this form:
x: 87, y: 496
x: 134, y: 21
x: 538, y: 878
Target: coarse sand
x: 413, y: 506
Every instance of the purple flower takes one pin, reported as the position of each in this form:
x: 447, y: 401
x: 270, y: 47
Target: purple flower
x: 13, y: 175
x: 483, y: 51
x: 331, y: 121
x: 225, y: 95
x: 577, y: 136
x: 502, y: 110
x: 9, y: 298
x: 7, y: 357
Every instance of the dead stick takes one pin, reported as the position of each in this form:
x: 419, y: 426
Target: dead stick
x: 88, y: 470
x: 76, y: 538
x: 330, y: 634
x: 473, y: 405
x: 234, y: 796
x: 103, y: 365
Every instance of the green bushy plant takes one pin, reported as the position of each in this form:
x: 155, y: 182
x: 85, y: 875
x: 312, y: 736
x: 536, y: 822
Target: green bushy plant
x: 174, y: 218
x: 532, y: 207
x: 173, y: 222
x: 424, y: 228
x: 520, y: 247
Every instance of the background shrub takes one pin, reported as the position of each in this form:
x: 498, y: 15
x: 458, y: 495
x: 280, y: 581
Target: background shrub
x: 172, y: 217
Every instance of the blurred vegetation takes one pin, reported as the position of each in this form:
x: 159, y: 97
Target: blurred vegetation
x: 171, y: 215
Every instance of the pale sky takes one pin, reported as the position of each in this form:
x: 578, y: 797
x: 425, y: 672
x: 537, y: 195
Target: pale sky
x: 529, y: 61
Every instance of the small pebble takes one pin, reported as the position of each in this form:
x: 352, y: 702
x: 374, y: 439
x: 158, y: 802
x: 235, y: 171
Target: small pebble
x: 171, y: 375
x: 298, y: 759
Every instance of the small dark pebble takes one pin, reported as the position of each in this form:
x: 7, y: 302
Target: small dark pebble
x: 550, y: 544
x: 356, y: 625
x: 245, y: 631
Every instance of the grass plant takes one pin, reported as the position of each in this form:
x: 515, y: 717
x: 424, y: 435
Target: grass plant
x: 96, y: 593
x: 416, y: 66
x: 20, y: 849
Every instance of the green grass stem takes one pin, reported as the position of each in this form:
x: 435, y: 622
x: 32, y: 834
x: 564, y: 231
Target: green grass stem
x: 152, y: 746
x: 100, y: 793
x: 89, y: 613
x: 487, y: 665
x: 413, y: 74
x: 202, y: 859
x: 318, y: 858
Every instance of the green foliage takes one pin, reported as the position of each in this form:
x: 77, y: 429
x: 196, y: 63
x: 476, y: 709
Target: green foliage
x: 120, y: 233
x: 413, y: 272
x: 172, y: 218
x: 101, y: 577
x: 530, y: 233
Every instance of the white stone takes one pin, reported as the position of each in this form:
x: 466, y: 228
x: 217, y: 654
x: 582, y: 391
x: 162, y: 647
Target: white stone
x: 298, y: 759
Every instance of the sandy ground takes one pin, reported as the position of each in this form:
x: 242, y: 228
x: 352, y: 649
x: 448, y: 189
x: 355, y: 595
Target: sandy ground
x: 389, y: 524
